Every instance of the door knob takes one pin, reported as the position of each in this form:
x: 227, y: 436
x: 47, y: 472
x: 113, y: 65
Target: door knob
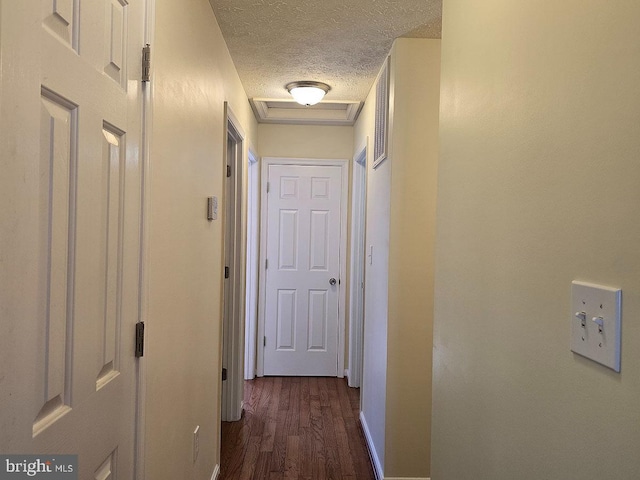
x: 332, y: 281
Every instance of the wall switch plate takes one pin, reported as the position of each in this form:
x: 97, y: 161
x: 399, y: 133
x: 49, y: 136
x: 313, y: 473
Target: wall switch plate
x: 196, y: 443
x: 596, y: 323
x: 212, y: 208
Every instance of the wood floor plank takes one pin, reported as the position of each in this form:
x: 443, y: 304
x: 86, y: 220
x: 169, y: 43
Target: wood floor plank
x: 267, y: 394
x: 324, y: 392
x: 344, y: 449
x: 293, y: 419
x: 252, y: 417
x: 250, y: 458
x: 285, y: 393
x: 268, y: 437
x: 314, y: 389
x: 263, y: 465
x: 296, y: 428
x: 305, y: 410
x: 252, y: 391
x: 332, y: 457
x: 345, y: 403
x: 274, y: 401
x: 306, y: 456
x: 317, y: 449
x: 280, y: 442
x: 292, y: 458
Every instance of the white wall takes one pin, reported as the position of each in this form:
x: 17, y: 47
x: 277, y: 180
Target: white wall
x: 374, y: 371
x: 538, y: 186
x: 192, y: 77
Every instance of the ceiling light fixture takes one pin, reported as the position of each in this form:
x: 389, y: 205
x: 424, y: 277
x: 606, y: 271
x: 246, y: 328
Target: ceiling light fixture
x: 307, y: 92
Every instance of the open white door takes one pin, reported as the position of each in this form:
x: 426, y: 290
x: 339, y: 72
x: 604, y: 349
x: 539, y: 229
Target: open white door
x: 70, y: 189
x: 303, y: 232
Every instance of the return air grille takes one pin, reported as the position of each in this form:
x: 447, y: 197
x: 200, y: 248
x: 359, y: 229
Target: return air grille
x: 382, y: 115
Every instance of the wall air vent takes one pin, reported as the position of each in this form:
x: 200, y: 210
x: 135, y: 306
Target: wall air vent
x: 382, y: 116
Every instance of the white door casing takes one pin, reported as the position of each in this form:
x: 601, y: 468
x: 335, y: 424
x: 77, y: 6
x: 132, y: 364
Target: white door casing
x: 70, y: 113
x: 357, y: 276
x: 302, y: 313
x: 251, y: 308
x: 234, y: 286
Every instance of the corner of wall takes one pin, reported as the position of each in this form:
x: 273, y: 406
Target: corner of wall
x: 415, y: 74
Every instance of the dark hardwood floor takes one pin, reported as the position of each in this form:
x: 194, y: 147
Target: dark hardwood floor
x: 298, y: 428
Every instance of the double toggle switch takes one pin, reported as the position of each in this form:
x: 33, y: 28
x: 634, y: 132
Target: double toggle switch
x: 595, y: 326
x: 582, y: 316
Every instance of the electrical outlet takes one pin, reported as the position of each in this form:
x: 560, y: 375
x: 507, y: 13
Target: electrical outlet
x: 196, y: 443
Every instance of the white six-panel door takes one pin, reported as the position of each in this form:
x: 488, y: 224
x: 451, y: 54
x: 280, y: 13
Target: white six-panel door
x: 70, y: 191
x: 303, y: 256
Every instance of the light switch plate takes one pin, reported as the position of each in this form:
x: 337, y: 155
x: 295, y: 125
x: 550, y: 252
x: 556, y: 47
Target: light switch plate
x: 592, y: 305
x: 212, y: 208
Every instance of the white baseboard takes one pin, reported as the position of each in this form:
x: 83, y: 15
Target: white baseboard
x: 375, y: 461
x: 216, y: 472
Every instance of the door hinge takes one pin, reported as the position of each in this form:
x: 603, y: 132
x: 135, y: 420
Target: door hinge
x: 224, y: 374
x: 228, y: 171
x: 268, y: 187
x: 226, y: 272
x: 264, y: 341
x: 139, y: 339
x: 266, y: 263
x: 146, y: 63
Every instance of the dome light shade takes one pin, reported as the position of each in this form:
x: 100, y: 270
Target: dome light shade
x: 306, y: 92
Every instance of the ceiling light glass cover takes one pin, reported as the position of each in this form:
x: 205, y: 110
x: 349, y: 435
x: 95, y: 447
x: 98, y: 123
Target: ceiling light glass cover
x: 307, y: 92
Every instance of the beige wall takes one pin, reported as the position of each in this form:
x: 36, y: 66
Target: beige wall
x: 539, y: 185
x: 401, y: 201
x: 305, y: 141
x: 192, y: 77
x: 415, y: 67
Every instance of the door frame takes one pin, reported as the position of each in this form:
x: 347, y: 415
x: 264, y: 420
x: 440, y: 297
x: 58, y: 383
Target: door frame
x: 253, y: 257
x: 357, y: 273
x: 233, y: 294
x: 344, y: 166
x: 145, y: 224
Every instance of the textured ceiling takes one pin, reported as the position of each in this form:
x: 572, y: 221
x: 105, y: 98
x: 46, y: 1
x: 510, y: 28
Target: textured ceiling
x: 339, y: 42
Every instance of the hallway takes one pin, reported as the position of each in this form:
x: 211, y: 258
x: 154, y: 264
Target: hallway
x: 296, y: 427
